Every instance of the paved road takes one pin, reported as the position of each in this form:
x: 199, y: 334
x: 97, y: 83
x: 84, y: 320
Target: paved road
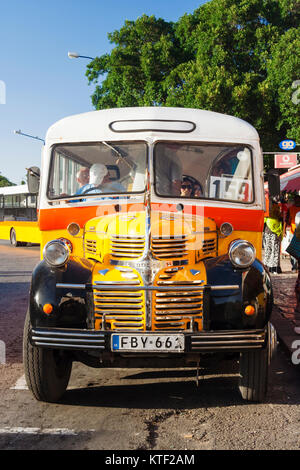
x: 135, y: 409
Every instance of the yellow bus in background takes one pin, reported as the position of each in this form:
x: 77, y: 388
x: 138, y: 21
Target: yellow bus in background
x: 18, y: 215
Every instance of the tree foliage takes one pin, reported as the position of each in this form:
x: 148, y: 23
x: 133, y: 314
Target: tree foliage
x: 239, y: 57
x: 5, y: 182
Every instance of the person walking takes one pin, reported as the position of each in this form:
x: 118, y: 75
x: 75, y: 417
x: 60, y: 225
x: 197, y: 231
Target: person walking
x: 294, y: 250
x: 273, y: 233
x: 290, y: 221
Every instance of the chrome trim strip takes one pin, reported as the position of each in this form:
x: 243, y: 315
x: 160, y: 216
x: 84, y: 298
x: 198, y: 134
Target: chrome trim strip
x: 164, y: 288
x: 118, y: 285
x: 69, y: 339
x: 70, y: 286
x: 228, y: 340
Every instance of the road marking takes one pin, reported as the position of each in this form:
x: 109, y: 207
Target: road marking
x: 20, y: 384
x: 35, y: 431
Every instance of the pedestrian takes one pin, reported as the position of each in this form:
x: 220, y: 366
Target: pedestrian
x: 290, y: 221
x: 273, y: 233
x: 294, y: 250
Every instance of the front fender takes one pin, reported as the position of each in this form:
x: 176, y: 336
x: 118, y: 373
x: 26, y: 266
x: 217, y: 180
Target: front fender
x: 71, y: 307
x: 227, y: 308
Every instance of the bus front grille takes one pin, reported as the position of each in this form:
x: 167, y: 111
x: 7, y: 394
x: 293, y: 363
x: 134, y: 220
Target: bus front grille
x: 209, y: 246
x: 126, y: 246
x: 169, y: 247
x: 91, y: 246
x: 179, y: 310
x: 120, y: 310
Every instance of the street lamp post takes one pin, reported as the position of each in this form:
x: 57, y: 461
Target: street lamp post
x: 75, y: 55
x: 28, y: 135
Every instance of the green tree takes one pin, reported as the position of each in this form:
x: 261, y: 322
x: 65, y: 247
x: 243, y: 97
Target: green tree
x: 5, y: 182
x: 238, y: 45
x: 239, y: 57
x: 134, y: 72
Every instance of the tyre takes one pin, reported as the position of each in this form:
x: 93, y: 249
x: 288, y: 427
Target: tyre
x: 47, y: 371
x: 13, y: 238
x: 254, y: 369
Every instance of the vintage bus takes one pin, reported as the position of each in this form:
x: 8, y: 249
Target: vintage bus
x: 18, y: 215
x: 151, y: 226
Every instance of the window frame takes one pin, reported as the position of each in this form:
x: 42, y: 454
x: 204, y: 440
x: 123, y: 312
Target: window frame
x: 90, y: 196
x: 204, y: 198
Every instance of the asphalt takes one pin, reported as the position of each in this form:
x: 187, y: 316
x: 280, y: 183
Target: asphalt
x: 284, y: 318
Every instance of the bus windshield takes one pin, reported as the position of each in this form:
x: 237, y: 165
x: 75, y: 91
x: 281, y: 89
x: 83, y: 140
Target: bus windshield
x: 209, y: 171
x: 97, y: 168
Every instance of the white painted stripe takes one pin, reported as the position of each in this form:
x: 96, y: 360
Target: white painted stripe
x: 48, y: 431
x: 20, y: 384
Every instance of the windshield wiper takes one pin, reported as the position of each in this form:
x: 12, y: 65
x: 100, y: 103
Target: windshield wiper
x: 128, y: 162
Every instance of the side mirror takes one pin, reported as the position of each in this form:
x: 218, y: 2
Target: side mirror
x: 273, y: 183
x: 33, y: 179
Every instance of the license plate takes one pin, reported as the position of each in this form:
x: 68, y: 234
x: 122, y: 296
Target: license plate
x: 162, y: 343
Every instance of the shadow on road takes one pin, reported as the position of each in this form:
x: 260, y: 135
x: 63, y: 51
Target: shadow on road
x: 178, y: 389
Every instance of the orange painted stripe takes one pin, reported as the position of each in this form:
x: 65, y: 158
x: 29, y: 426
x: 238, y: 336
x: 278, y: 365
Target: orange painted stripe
x: 61, y: 217
x: 240, y: 219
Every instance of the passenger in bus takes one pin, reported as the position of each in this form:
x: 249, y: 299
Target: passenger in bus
x: 186, y: 188
x: 197, y: 190
x: 83, y: 176
x: 83, y: 179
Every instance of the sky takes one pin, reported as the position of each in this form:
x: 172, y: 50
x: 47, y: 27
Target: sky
x: 39, y: 83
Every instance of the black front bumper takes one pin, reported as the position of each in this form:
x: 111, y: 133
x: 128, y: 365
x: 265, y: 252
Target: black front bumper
x: 195, y: 342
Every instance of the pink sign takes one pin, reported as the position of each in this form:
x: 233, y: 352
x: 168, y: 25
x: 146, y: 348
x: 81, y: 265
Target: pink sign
x: 286, y: 160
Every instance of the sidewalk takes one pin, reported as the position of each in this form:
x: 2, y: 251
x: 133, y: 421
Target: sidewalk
x: 283, y: 316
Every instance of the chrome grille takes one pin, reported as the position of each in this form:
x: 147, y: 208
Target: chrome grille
x: 178, y: 309
x: 91, y: 246
x: 209, y: 245
x: 126, y: 246
x: 169, y: 247
x: 119, y: 309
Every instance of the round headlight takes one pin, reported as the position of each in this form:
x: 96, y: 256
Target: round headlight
x: 242, y: 253
x: 56, y: 253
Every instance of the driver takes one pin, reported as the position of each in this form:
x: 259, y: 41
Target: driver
x: 98, y: 172
x: 100, y: 181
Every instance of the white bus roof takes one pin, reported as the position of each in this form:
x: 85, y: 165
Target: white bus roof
x: 8, y: 190
x: 159, y: 122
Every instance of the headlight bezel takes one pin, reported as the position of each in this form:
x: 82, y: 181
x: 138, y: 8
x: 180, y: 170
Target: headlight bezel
x: 66, y: 254
x: 234, y: 245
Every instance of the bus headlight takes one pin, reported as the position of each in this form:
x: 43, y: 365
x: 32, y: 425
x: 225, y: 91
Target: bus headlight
x: 56, y: 253
x: 241, y: 253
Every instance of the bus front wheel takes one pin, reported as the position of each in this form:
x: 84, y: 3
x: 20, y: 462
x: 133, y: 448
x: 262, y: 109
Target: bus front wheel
x: 254, y: 369
x: 47, y: 371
